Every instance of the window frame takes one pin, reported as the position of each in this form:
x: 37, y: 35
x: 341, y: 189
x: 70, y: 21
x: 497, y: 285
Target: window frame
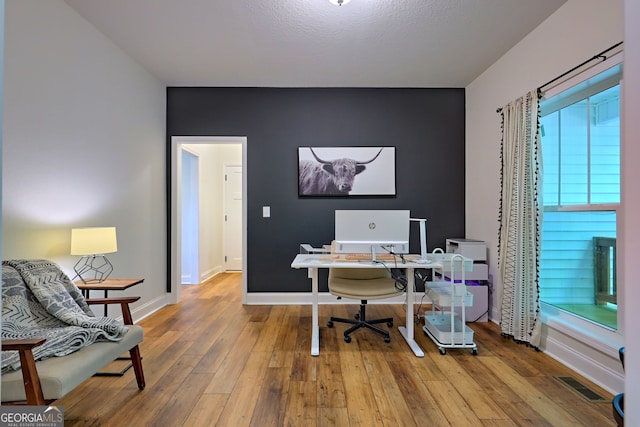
x: 552, y: 315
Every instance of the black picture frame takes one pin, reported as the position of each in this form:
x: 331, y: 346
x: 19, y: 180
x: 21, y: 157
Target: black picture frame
x: 346, y: 171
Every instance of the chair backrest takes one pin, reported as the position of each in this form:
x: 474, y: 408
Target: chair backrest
x: 359, y: 273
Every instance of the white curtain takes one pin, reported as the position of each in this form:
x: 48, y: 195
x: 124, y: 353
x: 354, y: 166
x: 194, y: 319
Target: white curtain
x: 520, y: 220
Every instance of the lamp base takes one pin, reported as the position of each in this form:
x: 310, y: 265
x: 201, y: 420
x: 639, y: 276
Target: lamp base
x: 93, y: 268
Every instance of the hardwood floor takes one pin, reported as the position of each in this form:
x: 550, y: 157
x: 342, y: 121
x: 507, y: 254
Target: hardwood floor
x: 212, y: 361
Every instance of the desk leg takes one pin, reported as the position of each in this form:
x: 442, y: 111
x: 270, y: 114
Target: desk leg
x: 408, y: 330
x: 315, y: 327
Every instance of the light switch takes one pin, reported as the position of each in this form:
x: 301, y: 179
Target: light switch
x: 266, y: 211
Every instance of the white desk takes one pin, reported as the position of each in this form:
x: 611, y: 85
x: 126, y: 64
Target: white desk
x: 313, y: 262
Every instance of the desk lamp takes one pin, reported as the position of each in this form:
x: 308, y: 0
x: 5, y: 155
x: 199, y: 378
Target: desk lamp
x: 423, y: 239
x: 91, y: 244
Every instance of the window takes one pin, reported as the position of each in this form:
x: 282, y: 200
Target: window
x: 580, y: 129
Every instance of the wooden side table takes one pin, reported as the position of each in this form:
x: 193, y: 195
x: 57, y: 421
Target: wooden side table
x: 106, y: 286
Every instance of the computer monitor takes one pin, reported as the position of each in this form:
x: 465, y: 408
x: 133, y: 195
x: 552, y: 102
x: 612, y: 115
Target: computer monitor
x: 372, y: 231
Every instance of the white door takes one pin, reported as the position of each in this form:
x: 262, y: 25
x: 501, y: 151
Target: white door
x: 233, y: 218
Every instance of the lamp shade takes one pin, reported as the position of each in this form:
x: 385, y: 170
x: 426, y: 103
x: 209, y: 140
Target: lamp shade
x: 93, y: 240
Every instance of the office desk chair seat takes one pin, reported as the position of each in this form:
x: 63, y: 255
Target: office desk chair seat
x: 362, y: 284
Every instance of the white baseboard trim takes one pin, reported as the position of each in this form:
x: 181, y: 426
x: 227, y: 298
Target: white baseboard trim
x: 590, y: 357
x: 210, y: 273
x: 149, y: 308
x: 588, y: 362
x: 304, y: 298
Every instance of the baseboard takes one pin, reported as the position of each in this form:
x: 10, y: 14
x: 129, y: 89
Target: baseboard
x: 304, y: 298
x: 149, y: 308
x: 210, y: 273
x: 586, y: 349
x: 590, y: 357
x: 600, y: 368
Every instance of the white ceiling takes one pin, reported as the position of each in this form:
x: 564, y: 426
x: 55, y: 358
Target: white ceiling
x: 313, y: 43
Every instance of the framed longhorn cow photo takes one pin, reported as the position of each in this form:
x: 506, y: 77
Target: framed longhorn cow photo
x: 346, y: 171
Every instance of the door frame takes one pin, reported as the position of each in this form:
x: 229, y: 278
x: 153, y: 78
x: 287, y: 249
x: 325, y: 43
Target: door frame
x: 174, y: 238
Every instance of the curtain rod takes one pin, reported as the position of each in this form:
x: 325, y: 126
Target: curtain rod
x: 602, y: 55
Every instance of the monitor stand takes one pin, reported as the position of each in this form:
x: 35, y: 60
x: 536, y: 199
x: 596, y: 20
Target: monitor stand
x: 373, y: 254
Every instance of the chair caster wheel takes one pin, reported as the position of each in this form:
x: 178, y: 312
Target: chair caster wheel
x: 387, y: 339
x: 443, y: 351
x: 329, y: 324
x: 390, y: 324
x: 347, y: 338
x: 357, y: 316
x: 474, y: 351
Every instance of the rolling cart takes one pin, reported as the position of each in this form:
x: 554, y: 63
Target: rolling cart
x: 444, y: 326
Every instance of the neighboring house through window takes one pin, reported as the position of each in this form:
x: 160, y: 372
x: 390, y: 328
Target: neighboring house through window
x: 580, y: 129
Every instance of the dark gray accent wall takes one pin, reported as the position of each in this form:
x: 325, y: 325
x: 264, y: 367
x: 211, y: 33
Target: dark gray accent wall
x: 425, y: 125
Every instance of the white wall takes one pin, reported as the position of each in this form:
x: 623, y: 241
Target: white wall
x: 84, y: 139
x: 84, y: 145
x: 630, y: 206
x: 576, y: 32
x: 212, y: 160
x: 1, y: 107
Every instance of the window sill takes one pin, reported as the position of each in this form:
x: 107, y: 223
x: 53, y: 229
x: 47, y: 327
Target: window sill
x: 594, y: 335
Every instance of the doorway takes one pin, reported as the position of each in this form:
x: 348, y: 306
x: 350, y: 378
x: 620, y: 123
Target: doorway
x: 212, y: 237
x: 190, y: 205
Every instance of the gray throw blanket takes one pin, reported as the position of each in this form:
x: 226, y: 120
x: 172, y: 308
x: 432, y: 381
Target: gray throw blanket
x: 40, y: 301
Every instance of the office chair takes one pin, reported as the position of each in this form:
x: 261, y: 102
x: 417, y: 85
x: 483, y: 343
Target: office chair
x: 362, y: 284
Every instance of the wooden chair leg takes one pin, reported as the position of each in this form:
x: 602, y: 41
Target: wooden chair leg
x: 32, y: 387
x: 136, y: 360
x: 31, y: 380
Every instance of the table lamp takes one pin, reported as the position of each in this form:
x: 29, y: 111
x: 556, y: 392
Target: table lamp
x: 91, y: 244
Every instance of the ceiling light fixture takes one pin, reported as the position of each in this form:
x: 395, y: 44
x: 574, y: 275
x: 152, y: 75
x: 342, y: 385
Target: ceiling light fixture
x: 339, y: 2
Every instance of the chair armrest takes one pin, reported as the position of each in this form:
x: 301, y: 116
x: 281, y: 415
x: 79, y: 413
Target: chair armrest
x: 127, y: 300
x: 124, y: 304
x: 19, y: 345
x: 32, y: 387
